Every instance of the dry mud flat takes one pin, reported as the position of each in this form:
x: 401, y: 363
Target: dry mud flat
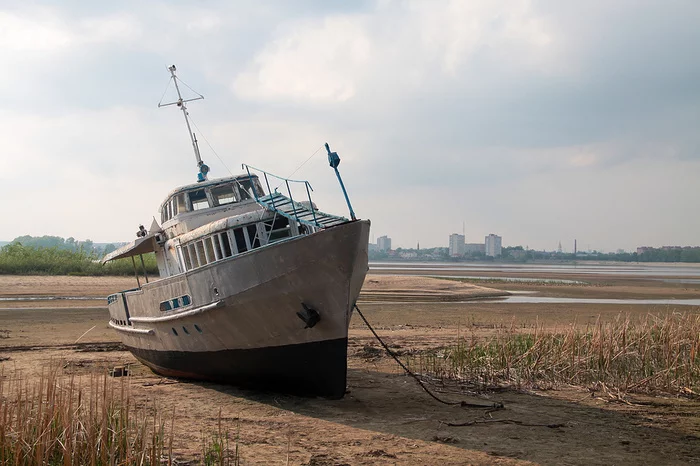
x: 385, y: 418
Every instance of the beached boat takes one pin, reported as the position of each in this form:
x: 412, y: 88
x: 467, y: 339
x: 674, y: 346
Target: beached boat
x: 256, y: 288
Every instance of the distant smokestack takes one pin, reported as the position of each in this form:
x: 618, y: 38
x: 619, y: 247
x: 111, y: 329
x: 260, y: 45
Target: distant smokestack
x: 574, y: 247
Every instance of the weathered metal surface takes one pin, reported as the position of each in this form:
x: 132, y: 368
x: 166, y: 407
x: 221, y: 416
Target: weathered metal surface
x: 142, y: 245
x: 262, y: 290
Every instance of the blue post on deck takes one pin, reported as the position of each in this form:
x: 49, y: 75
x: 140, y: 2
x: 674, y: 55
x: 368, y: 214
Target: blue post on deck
x: 334, y: 161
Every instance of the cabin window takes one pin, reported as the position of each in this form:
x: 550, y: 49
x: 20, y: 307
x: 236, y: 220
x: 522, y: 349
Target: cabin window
x: 201, y: 257
x: 192, y: 253
x: 225, y: 245
x: 253, y: 235
x: 175, y: 303
x: 198, y: 199
x: 222, y: 195
x: 218, y: 253
x: 245, y: 190
x: 209, y: 250
x: 180, y: 203
x: 280, y: 229
x: 240, y: 240
x: 187, y: 261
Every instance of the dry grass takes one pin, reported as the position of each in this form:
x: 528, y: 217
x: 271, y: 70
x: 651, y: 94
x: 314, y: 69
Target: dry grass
x: 656, y: 354
x: 58, y: 419
x: 61, y: 420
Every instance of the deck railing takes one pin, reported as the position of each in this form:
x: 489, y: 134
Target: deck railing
x: 260, y: 197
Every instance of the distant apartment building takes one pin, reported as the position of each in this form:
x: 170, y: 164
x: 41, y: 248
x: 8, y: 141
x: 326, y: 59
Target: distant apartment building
x: 384, y: 243
x: 456, y: 245
x: 492, y: 244
x: 474, y: 248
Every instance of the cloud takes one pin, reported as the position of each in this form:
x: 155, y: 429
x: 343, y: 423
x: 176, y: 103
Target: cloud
x: 317, y: 61
x: 503, y: 114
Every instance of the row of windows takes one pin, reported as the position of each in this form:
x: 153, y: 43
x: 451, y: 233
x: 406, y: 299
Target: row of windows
x: 119, y: 322
x: 175, y: 303
x: 112, y: 298
x: 234, y: 241
x: 213, y: 196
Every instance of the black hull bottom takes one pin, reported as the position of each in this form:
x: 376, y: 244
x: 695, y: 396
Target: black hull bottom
x: 309, y: 369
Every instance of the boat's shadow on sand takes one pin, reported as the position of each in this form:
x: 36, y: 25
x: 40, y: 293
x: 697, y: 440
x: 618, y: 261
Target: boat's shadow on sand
x: 530, y: 427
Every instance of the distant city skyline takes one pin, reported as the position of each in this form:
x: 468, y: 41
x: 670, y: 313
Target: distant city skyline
x: 554, y: 247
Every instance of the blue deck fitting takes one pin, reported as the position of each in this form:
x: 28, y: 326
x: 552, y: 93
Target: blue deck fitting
x: 334, y: 161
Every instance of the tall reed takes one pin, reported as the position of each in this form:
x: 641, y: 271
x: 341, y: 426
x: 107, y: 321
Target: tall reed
x: 658, y: 353
x: 61, y: 420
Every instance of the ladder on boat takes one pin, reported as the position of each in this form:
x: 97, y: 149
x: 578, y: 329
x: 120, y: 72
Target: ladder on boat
x: 301, y: 212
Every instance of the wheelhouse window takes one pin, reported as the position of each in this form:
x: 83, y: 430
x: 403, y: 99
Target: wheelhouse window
x: 174, y: 206
x: 181, y: 203
x: 245, y: 189
x: 198, y: 199
x: 222, y: 195
x: 238, y: 190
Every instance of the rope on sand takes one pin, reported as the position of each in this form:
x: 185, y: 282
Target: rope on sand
x: 464, y: 404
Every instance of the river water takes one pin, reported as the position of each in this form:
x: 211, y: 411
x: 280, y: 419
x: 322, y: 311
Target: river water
x: 684, y: 274
x: 632, y: 270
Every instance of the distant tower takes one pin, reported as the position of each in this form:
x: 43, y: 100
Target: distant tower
x: 418, y: 246
x: 559, y: 248
x: 575, y: 247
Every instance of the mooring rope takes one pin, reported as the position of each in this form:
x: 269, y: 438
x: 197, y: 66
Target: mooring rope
x: 464, y: 404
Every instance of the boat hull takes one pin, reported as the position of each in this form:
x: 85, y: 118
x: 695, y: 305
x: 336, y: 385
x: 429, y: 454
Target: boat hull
x: 316, y: 368
x: 242, y: 327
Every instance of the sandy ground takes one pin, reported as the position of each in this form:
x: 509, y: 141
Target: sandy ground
x: 385, y: 418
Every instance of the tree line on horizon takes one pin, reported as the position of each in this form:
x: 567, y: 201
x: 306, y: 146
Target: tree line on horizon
x: 68, y: 244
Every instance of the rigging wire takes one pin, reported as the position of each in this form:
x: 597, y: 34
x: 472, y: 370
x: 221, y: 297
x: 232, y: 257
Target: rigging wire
x: 188, y: 87
x: 299, y: 167
x: 304, y: 162
x: 493, y: 407
x: 167, y: 86
x: 210, y: 146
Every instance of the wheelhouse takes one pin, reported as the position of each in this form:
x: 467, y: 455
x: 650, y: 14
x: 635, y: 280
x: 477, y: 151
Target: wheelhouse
x: 210, y: 195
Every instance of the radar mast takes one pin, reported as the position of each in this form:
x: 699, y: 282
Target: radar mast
x: 180, y: 102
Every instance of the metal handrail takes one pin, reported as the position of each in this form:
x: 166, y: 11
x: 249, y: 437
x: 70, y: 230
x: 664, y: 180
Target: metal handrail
x: 286, y: 181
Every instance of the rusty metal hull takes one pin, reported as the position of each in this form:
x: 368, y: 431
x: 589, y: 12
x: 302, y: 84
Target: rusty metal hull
x: 242, y: 325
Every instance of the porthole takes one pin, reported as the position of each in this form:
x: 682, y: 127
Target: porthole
x: 197, y: 328
x: 174, y: 331
x: 184, y: 329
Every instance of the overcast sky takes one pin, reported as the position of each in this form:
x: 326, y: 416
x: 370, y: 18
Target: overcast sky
x: 540, y: 121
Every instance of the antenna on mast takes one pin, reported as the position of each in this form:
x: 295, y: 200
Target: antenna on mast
x: 180, y: 102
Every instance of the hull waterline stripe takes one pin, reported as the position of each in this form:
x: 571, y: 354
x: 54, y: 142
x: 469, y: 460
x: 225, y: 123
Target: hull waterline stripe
x: 180, y: 315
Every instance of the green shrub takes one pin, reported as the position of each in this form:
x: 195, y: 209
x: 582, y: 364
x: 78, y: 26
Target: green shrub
x: 16, y: 259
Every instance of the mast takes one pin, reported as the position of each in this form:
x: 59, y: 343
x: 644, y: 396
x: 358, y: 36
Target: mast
x: 180, y: 102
